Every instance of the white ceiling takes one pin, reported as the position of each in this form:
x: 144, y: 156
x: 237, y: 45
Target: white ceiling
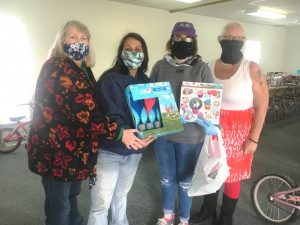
x: 229, y: 9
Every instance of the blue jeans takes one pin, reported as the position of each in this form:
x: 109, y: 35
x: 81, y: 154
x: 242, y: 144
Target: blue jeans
x: 177, y: 163
x: 115, y: 175
x: 61, y: 202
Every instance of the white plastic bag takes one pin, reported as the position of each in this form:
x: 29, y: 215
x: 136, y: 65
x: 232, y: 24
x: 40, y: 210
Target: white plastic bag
x: 211, y: 169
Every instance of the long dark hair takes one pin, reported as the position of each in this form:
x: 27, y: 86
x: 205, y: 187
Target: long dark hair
x: 119, y: 66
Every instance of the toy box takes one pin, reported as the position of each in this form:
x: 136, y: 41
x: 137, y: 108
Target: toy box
x: 153, y: 109
x: 200, y: 100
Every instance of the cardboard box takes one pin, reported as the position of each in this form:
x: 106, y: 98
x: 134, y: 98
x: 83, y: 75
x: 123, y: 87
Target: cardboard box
x: 201, y: 100
x: 153, y: 109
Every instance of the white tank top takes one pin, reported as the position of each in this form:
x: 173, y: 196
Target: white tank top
x: 237, y: 90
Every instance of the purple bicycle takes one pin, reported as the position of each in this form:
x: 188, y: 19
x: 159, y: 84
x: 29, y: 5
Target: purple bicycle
x: 276, y: 198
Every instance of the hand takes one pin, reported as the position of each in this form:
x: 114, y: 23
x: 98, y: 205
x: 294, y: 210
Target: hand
x: 182, y: 119
x: 132, y: 141
x: 208, y: 127
x: 249, y: 147
x: 148, y: 140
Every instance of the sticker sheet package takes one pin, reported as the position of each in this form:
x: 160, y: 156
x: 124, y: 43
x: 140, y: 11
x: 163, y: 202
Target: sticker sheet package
x: 201, y: 100
x: 153, y: 109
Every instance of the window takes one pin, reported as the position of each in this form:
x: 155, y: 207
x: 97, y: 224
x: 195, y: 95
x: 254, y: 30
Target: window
x: 16, y: 86
x: 252, y: 50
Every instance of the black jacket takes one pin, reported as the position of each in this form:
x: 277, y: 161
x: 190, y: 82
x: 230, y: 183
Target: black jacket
x: 111, y: 89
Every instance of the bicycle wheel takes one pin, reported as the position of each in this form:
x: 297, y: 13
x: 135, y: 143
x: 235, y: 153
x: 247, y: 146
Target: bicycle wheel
x: 262, y: 189
x: 10, y: 144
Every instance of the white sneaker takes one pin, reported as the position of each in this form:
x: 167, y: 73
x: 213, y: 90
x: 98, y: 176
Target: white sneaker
x: 162, y: 221
x: 183, y: 223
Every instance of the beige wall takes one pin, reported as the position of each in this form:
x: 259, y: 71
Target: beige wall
x: 292, y: 50
x: 109, y: 21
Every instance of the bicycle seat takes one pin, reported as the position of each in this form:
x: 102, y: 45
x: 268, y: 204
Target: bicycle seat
x: 16, y: 119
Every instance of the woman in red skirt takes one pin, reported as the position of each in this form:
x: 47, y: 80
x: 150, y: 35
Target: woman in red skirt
x: 243, y: 110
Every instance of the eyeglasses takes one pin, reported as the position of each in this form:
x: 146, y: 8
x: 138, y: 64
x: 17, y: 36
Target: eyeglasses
x: 237, y: 38
x: 180, y: 38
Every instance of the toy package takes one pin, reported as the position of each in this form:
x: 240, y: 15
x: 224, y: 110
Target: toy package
x: 153, y: 108
x: 201, y: 100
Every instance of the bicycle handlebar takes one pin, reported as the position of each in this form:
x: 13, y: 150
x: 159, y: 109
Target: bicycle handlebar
x: 31, y: 104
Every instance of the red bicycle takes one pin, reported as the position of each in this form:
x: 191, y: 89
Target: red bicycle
x: 11, y: 138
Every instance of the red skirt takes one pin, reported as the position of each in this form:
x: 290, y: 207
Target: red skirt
x: 235, y: 127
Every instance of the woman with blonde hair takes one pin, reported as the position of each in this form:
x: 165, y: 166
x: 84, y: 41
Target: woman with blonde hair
x: 66, y: 124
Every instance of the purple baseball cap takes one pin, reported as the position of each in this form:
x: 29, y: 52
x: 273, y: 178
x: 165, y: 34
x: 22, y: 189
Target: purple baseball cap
x: 184, y: 28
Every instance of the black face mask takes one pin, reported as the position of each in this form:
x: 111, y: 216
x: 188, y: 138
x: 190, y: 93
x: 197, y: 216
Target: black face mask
x: 231, y: 51
x: 182, y: 49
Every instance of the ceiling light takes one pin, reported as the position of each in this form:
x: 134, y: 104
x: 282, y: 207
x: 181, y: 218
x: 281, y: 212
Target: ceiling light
x: 266, y: 14
x: 188, y: 1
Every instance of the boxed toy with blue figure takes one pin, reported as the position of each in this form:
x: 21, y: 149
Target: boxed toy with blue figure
x: 153, y: 109
x: 201, y: 101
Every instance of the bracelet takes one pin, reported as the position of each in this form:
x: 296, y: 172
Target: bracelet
x: 252, y: 140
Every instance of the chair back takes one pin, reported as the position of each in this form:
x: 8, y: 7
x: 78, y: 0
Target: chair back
x: 281, y: 92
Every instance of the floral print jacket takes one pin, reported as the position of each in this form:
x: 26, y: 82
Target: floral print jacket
x: 66, y: 124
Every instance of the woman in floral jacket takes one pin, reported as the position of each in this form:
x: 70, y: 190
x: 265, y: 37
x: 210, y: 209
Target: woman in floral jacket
x: 66, y: 125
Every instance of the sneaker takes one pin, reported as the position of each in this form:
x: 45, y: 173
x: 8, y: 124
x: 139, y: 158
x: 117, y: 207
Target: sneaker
x: 163, y: 221
x: 183, y: 223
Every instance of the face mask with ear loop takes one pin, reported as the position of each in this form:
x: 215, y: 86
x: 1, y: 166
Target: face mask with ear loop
x: 182, y: 49
x: 231, y: 51
x: 132, y: 60
x: 76, y: 51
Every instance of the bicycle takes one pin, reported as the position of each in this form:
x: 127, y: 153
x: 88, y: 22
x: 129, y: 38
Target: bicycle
x: 276, y: 198
x: 11, y: 138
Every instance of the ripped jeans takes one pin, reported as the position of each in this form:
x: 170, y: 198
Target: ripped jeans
x: 176, y: 162
x: 115, y: 175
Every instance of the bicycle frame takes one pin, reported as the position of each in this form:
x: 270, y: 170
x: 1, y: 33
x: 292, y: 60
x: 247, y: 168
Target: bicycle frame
x: 283, y: 198
x: 21, y: 126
